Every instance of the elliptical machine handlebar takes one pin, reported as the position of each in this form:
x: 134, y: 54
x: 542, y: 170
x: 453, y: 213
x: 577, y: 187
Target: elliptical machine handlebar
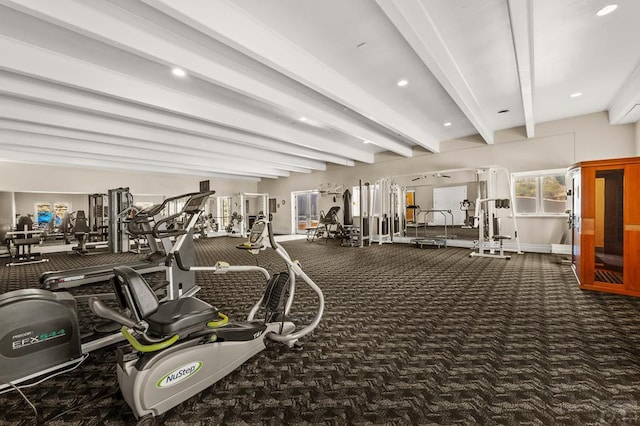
x: 257, y: 242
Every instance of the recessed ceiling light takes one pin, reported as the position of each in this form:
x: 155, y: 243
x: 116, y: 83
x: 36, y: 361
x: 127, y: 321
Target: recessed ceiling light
x: 607, y: 9
x: 402, y: 83
x: 303, y: 118
x: 447, y: 124
x: 366, y: 141
x: 576, y: 95
x: 178, y: 72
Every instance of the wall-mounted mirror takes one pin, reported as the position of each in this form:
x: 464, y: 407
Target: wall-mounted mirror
x: 436, y: 199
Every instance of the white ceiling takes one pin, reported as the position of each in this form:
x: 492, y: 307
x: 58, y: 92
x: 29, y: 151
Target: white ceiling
x: 88, y: 83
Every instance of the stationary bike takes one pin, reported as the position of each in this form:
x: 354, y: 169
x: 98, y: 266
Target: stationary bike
x: 180, y: 347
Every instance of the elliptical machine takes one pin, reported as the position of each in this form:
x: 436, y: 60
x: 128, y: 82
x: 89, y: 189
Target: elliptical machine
x: 180, y: 347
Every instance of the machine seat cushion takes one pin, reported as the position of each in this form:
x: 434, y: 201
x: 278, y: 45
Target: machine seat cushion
x: 240, y: 331
x: 178, y: 315
x: 501, y: 237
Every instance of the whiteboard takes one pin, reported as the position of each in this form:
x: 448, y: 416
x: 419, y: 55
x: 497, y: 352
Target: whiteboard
x: 448, y: 198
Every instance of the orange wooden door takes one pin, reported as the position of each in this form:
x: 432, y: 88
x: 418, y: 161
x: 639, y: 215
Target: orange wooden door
x: 411, y: 196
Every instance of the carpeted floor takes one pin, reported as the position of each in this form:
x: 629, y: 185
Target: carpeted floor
x: 409, y: 336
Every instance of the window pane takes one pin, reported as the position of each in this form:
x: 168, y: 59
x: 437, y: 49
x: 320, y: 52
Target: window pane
x: 526, y: 194
x: 554, y: 194
x: 313, y: 205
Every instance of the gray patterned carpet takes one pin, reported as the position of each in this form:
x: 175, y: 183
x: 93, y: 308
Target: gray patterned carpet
x: 409, y: 336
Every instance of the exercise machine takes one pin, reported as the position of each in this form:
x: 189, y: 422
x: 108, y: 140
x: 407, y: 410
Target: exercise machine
x: 235, y: 222
x: 389, y: 202
x: 98, y: 217
x: 120, y: 207
x: 40, y: 333
x: 465, y: 206
x: 21, y: 241
x: 105, y: 227
x: 489, y: 206
x: 432, y: 240
x: 154, y: 224
x: 179, y: 348
x: 329, y: 225
x: 87, y: 238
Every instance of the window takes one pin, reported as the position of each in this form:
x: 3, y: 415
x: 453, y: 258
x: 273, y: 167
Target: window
x: 225, y: 210
x: 540, y: 193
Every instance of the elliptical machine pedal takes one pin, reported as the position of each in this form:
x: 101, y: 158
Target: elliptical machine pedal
x: 274, y: 296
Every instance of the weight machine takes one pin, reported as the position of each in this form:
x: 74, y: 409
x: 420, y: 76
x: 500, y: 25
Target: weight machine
x: 489, y: 203
x: 389, y: 201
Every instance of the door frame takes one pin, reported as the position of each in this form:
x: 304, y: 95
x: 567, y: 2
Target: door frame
x: 294, y: 208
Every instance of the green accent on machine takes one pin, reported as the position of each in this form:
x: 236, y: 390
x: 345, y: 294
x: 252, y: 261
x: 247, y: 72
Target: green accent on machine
x: 147, y: 348
x: 215, y: 324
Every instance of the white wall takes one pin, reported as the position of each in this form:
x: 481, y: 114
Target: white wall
x: 25, y: 201
x: 557, y: 144
x: 7, y: 211
x: 39, y: 183
x: 41, y: 178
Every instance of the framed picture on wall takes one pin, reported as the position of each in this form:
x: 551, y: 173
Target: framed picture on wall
x: 43, y: 214
x: 60, y: 208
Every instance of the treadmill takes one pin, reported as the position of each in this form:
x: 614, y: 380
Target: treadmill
x: 144, y: 223
x: 59, y: 280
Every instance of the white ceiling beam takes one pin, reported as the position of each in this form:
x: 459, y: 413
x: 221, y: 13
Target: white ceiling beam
x: 40, y: 129
x: 124, y: 144
x: 27, y: 59
x: 135, y: 154
x: 151, y: 42
x: 626, y: 100
x: 196, y: 147
x: 70, y: 158
x: 521, y: 18
x: 416, y: 25
x: 53, y: 158
x: 230, y: 141
x: 228, y: 23
x: 122, y: 133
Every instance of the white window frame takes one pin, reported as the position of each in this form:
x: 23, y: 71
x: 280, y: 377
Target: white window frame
x: 538, y: 174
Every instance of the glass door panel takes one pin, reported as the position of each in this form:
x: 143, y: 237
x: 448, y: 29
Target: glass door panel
x: 306, y: 211
x: 609, y: 226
